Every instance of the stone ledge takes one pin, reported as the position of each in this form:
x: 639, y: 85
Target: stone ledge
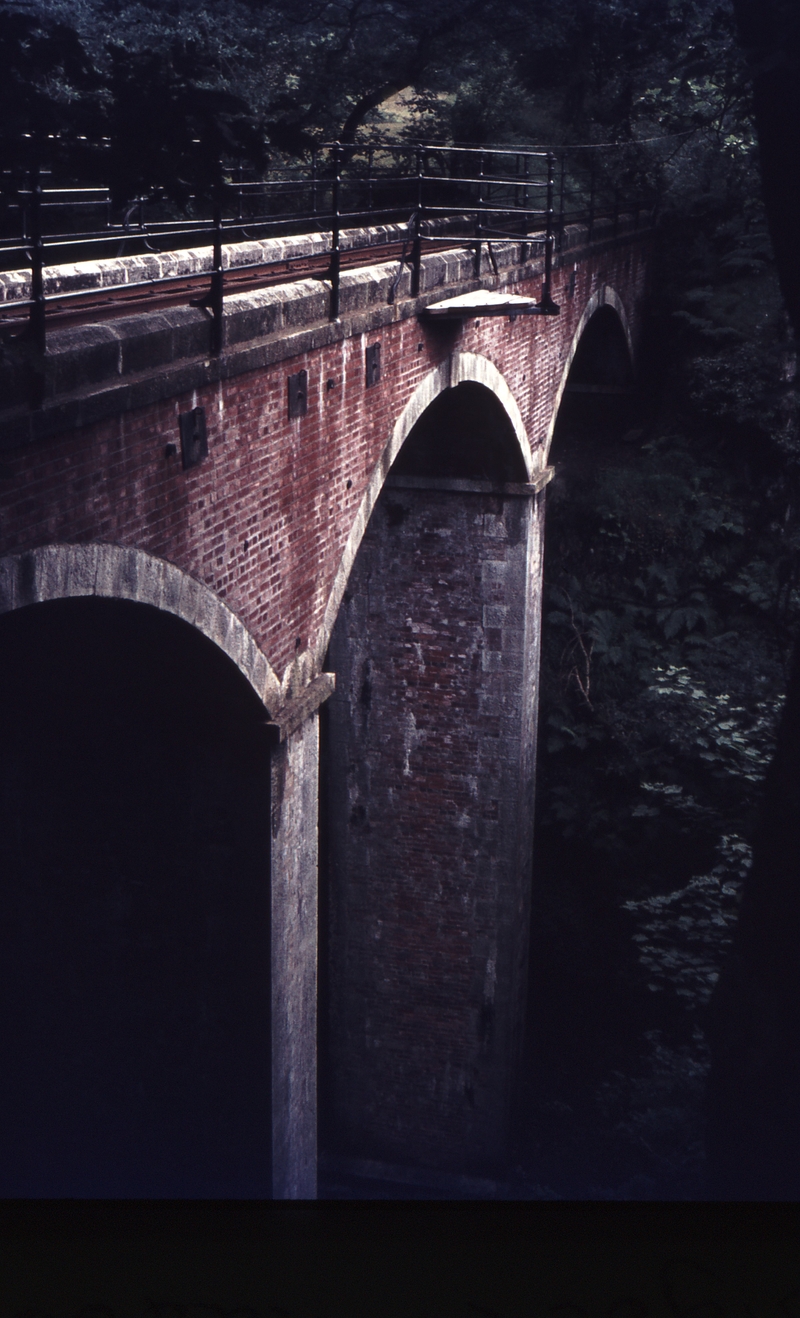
x: 128, y: 271
x: 114, y: 272
x: 295, y: 711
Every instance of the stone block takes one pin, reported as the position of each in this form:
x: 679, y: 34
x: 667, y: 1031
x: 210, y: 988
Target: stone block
x: 86, y: 355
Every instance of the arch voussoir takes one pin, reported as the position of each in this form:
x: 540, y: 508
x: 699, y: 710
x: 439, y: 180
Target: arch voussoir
x: 70, y: 571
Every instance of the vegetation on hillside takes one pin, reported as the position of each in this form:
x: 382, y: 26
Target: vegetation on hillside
x: 670, y: 619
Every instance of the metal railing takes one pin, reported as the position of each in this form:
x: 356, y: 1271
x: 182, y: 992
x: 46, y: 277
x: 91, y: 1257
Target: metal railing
x: 483, y: 194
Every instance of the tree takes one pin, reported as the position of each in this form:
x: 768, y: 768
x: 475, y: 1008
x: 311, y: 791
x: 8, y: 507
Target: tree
x: 170, y: 131
x: 49, y: 86
x: 60, y: 99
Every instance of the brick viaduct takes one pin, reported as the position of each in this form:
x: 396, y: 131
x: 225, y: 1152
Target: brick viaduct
x: 382, y: 548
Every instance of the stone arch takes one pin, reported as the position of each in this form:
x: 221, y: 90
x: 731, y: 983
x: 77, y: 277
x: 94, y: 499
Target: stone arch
x: 458, y: 368
x: 137, y: 857
x: 605, y: 296
x: 64, y: 571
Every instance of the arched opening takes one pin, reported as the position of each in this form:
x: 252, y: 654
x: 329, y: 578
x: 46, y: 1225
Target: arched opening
x: 598, y: 404
x: 465, y: 434
x: 426, y: 776
x: 135, y: 1002
x: 602, y: 359
x: 585, y: 1007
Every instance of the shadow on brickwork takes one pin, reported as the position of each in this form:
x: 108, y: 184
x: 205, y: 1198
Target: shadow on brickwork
x: 425, y: 809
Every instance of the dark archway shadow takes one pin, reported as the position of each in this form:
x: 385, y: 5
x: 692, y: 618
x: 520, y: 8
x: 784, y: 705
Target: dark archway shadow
x: 582, y: 1013
x: 465, y: 434
x: 134, y: 936
x: 602, y: 358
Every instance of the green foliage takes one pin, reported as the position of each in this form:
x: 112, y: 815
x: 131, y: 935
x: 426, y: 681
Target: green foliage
x: 171, y: 132
x: 474, y: 70
x: 735, y: 741
x: 672, y: 575
x: 49, y: 85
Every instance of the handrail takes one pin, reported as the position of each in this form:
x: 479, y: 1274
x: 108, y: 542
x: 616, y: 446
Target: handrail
x: 477, y: 186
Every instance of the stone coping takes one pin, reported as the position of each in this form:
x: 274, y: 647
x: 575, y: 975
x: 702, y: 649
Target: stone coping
x: 112, y: 272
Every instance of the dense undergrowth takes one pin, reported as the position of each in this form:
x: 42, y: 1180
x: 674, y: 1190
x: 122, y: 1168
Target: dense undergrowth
x: 670, y: 608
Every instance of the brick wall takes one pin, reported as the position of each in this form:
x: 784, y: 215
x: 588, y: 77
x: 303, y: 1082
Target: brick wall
x: 430, y: 739
x: 425, y: 799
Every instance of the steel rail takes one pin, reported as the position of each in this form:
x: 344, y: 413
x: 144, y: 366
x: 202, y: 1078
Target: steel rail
x: 199, y: 228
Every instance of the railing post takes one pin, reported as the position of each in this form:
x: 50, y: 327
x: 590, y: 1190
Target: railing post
x: 217, y: 276
x: 416, y: 250
x: 314, y: 181
x: 547, y: 301
x: 37, y: 311
x: 478, y: 225
x: 336, y: 258
x: 561, y: 204
x: 370, y: 157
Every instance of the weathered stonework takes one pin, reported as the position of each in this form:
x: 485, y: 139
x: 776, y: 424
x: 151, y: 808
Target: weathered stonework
x: 60, y: 571
x: 295, y: 772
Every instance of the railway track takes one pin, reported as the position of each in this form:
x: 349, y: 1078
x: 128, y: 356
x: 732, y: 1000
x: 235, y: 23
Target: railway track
x: 154, y: 295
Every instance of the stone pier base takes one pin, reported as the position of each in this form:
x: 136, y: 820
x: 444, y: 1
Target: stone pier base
x: 295, y: 776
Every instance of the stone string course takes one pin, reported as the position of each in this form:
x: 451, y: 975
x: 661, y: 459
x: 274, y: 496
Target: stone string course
x: 114, y: 271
